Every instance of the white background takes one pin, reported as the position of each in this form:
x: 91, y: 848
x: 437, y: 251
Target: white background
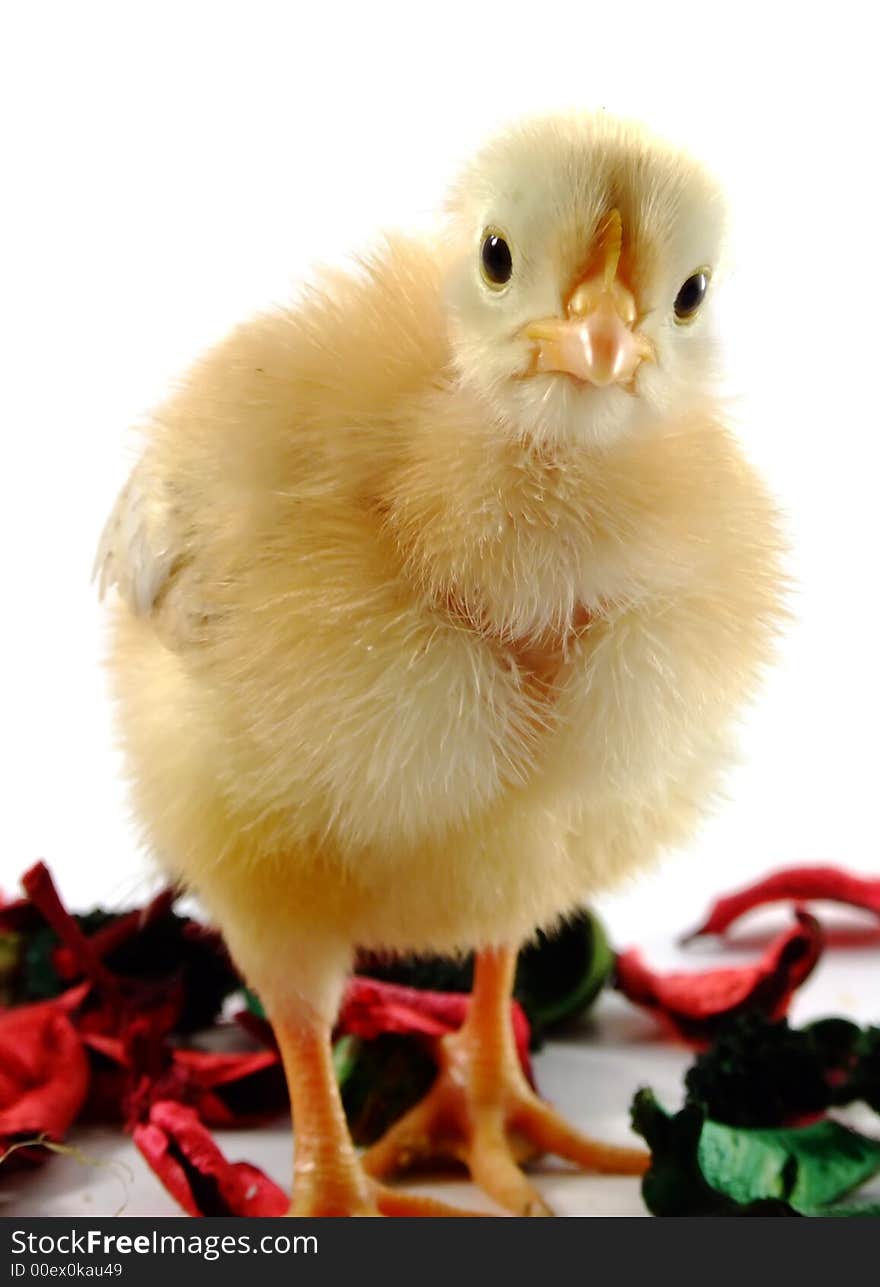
x: 168, y: 168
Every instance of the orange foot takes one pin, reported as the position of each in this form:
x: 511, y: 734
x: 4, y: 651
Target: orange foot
x: 482, y: 1111
x: 329, y: 1179
x: 367, y: 1199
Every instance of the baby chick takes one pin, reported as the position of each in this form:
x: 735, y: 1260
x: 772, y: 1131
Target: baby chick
x: 439, y: 595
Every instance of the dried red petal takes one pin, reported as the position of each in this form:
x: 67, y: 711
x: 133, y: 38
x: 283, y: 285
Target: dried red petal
x: 17, y: 915
x: 226, y: 1089
x: 233, y: 1089
x: 44, y: 1072
x: 695, y: 1004
x: 106, y: 940
x: 370, y: 1008
x: 37, y: 883
x: 798, y: 884
x: 181, y: 1152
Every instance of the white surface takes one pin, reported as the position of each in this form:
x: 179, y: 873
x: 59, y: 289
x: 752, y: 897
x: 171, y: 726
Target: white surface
x: 591, y: 1076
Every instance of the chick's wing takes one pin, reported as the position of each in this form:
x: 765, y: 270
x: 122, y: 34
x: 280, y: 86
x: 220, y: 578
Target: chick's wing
x: 145, y: 555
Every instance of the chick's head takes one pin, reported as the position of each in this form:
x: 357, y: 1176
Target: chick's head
x: 581, y: 258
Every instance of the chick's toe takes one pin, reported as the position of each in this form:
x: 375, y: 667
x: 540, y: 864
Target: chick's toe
x: 482, y: 1112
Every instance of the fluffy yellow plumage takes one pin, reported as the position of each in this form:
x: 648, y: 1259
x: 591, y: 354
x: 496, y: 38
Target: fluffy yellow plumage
x: 421, y: 644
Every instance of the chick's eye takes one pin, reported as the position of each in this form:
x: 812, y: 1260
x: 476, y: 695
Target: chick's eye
x: 496, y: 260
x: 691, y: 295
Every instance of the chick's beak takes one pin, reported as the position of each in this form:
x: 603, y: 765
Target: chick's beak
x: 595, y: 341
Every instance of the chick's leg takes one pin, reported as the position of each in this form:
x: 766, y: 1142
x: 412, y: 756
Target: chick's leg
x: 482, y: 1111
x: 328, y: 1179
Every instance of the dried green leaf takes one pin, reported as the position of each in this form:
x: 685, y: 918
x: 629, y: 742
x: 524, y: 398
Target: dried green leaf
x: 700, y: 1167
x: 808, y: 1167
